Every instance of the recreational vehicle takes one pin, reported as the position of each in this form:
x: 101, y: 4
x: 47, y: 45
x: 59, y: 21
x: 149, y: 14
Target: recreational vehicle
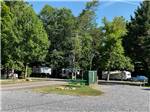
x: 42, y: 70
x: 117, y: 75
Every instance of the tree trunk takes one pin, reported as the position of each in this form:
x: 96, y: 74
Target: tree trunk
x: 91, y: 64
x: 108, y: 75
x: 82, y: 75
x: 26, y: 69
x: 12, y: 70
x: 72, y: 76
x: 7, y: 75
x: 12, y: 73
x: 91, y: 61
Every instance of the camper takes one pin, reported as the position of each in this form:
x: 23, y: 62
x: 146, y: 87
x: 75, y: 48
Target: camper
x: 68, y: 72
x: 117, y: 75
x: 42, y: 70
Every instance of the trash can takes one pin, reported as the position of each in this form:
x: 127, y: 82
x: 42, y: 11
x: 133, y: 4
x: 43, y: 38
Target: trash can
x: 91, y: 77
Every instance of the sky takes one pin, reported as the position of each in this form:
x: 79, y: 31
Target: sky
x: 107, y: 8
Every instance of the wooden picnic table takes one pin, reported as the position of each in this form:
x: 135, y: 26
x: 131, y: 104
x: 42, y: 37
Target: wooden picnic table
x: 76, y: 81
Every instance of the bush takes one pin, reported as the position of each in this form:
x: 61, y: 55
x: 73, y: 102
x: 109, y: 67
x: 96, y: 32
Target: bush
x: 29, y: 72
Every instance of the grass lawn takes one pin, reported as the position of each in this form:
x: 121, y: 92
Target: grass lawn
x: 147, y: 85
x: 69, y: 90
x: 15, y: 81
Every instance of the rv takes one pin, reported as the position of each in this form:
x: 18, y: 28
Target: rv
x: 117, y: 75
x: 68, y: 72
x: 41, y: 70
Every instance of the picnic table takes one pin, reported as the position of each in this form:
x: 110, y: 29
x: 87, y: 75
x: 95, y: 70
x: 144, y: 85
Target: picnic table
x: 77, y: 81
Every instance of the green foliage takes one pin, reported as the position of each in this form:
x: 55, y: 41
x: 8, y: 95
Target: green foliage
x: 29, y: 71
x: 87, y: 18
x: 59, y: 25
x: 112, y: 51
x: 86, y: 22
x: 97, y: 35
x: 86, y: 52
x: 8, y: 39
x: 92, y: 5
x: 75, y: 53
x: 23, y: 36
x: 137, y: 40
x: 69, y: 41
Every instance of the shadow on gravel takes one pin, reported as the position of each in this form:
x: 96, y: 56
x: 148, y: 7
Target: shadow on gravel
x: 63, y: 80
x: 118, y: 83
x: 147, y: 89
x: 108, y: 84
x: 111, y: 83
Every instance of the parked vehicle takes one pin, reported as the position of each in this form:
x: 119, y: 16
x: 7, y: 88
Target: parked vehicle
x: 117, y: 75
x: 68, y: 72
x: 140, y: 78
x: 42, y: 70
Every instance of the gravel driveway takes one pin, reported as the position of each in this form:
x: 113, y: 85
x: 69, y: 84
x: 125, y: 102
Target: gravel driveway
x: 116, y: 98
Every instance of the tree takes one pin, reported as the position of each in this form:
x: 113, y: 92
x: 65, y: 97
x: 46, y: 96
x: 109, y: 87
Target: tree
x: 9, y: 58
x: 27, y: 41
x: 97, y: 35
x: 86, y: 23
x: 86, y: 46
x: 112, y: 52
x: 75, y: 50
x: 59, y: 25
x: 137, y: 40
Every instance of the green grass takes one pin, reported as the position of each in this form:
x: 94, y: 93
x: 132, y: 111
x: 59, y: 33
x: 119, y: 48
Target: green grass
x: 147, y: 85
x: 11, y: 81
x: 80, y: 90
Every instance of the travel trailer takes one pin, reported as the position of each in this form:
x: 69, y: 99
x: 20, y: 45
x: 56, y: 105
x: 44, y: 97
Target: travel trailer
x: 67, y: 72
x: 42, y: 70
x: 117, y: 75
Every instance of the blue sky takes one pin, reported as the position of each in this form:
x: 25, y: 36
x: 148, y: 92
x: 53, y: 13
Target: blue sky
x: 107, y: 8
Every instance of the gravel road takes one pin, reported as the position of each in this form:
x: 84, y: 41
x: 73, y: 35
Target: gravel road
x: 30, y: 84
x: 116, y: 98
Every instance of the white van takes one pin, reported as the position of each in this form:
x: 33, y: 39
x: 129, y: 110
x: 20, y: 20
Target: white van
x: 117, y: 75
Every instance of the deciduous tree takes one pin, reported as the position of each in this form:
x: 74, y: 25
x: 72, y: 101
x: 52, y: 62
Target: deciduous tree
x: 59, y: 25
x: 113, y: 57
x: 23, y: 36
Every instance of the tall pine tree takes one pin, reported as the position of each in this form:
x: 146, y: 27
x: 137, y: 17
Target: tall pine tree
x: 137, y: 41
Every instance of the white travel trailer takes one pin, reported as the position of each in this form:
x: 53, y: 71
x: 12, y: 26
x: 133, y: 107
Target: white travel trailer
x: 68, y: 72
x: 117, y: 75
x: 42, y: 70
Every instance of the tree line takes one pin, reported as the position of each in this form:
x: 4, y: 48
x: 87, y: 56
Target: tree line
x: 60, y: 39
